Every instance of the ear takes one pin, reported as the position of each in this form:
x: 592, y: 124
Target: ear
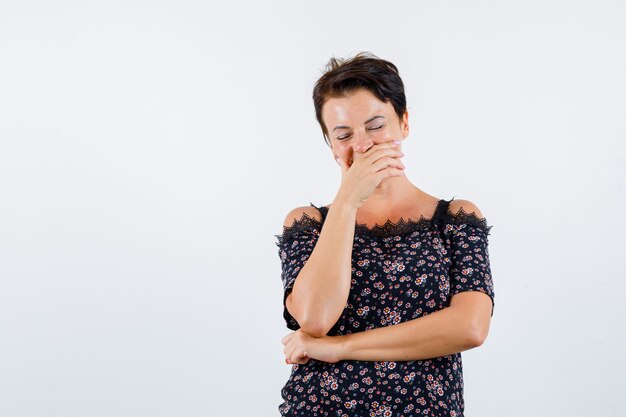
x: 404, y: 124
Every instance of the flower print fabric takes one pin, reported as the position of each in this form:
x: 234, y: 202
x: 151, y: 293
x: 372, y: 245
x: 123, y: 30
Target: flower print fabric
x: 296, y: 245
x: 400, y: 272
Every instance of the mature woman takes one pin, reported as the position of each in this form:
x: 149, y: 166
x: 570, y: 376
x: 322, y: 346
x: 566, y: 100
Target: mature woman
x: 387, y: 285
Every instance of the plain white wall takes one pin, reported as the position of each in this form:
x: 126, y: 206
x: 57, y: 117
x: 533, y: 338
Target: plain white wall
x: 150, y: 150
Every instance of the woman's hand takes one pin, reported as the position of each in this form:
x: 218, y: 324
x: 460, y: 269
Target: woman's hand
x: 359, y: 180
x: 301, y: 346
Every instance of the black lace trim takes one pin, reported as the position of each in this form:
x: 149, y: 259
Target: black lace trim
x: 304, y: 223
x: 389, y: 228
x: 463, y: 217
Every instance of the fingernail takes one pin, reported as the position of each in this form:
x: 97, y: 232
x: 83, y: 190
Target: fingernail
x: 397, y: 142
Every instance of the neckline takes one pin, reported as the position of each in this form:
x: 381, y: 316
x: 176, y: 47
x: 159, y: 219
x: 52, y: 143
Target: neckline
x: 310, y: 224
x: 389, y: 228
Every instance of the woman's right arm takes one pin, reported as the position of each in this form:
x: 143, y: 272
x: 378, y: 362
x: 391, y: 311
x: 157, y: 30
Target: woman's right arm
x: 320, y: 292
x: 321, y: 289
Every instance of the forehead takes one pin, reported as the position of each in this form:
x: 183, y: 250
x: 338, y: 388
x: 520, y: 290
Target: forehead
x: 356, y: 106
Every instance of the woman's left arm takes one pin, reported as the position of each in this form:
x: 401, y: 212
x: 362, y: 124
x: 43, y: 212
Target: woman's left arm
x: 461, y: 326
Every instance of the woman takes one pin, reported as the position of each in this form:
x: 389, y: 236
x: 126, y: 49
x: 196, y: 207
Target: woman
x: 387, y: 285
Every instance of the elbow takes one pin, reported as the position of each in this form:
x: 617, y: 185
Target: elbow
x: 474, y: 341
x: 317, y: 326
x: 314, y: 328
x: 313, y: 323
x: 310, y: 325
x: 476, y: 335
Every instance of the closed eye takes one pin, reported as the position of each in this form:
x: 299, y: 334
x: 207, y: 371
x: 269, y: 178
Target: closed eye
x: 371, y: 128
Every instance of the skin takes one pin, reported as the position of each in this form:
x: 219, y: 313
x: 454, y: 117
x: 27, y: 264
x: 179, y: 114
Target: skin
x: 358, y: 123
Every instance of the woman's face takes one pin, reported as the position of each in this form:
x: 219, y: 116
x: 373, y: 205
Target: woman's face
x: 358, y: 120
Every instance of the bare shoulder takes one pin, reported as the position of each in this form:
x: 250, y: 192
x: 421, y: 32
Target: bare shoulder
x: 299, y: 213
x: 467, y: 206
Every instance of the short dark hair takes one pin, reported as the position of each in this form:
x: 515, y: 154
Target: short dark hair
x: 363, y: 70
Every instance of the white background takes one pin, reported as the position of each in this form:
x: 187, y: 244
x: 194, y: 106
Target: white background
x: 150, y: 150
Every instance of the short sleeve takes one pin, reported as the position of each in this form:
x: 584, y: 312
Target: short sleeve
x: 470, y: 269
x: 295, y: 245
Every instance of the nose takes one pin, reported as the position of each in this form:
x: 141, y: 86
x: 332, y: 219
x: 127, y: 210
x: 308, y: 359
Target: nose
x: 362, y: 142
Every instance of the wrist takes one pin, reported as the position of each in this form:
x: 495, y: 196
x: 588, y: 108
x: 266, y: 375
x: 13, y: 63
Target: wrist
x: 342, y: 346
x: 342, y: 203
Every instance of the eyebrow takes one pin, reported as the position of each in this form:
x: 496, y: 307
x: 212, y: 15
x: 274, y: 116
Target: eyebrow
x: 366, y: 122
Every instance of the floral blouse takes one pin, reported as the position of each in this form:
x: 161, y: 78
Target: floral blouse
x: 400, y: 272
